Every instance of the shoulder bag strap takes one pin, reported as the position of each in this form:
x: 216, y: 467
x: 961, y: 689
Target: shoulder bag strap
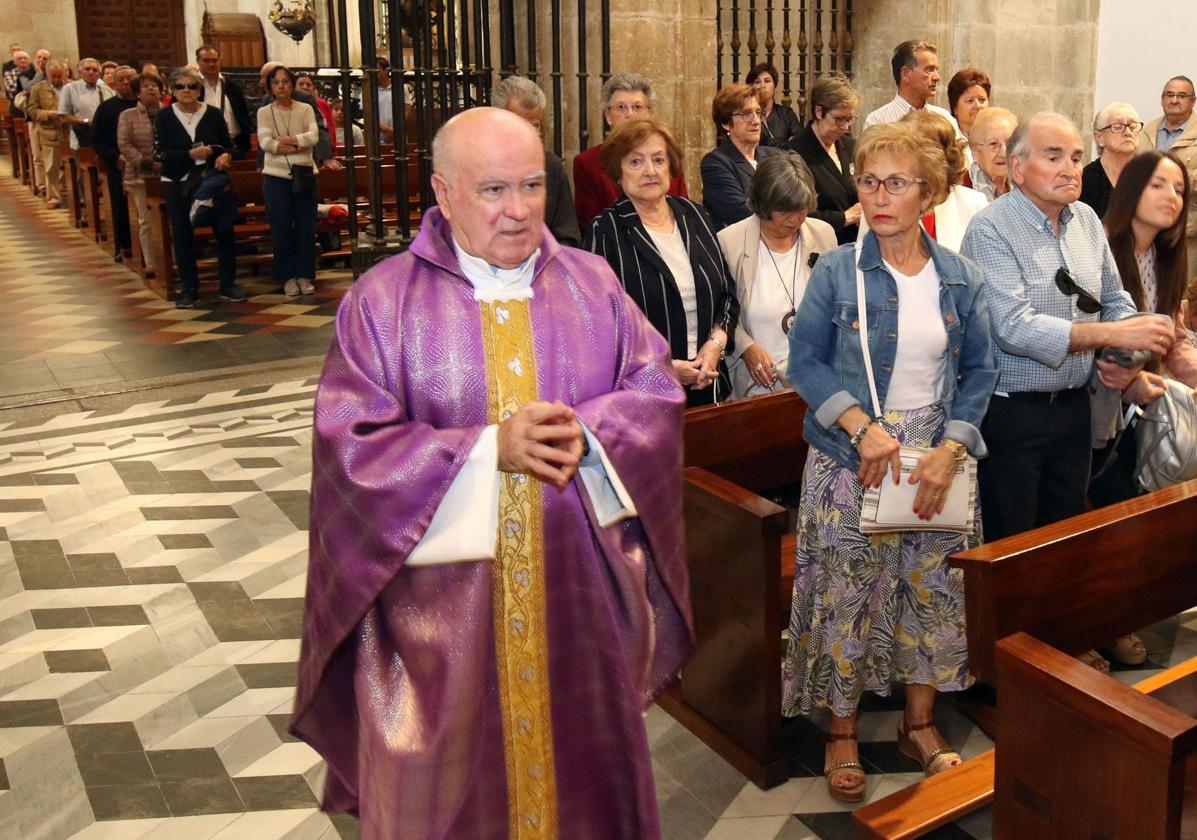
x: 862, y: 319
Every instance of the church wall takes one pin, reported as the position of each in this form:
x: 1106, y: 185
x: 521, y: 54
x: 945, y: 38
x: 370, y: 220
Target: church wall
x: 1040, y: 54
x: 48, y: 24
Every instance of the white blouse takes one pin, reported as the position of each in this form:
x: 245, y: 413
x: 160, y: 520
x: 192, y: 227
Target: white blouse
x: 672, y: 248
x: 922, y: 341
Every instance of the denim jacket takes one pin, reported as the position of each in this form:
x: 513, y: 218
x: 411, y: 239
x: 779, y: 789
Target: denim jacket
x: 826, y: 366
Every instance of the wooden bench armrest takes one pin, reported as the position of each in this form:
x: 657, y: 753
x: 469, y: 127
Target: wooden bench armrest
x: 934, y: 802
x: 1121, y: 710
x: 712, y: 491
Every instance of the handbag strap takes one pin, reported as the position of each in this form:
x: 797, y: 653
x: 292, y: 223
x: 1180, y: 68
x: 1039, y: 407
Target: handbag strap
x: 862, y: 320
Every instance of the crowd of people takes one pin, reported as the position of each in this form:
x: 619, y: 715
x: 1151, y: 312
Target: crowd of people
x: 942, y: 280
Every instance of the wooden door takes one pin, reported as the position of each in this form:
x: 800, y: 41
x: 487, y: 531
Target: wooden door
x: 132, y: 31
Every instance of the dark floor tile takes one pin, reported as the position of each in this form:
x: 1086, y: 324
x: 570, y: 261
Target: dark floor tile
x: 93, y: 375
x: 204, y: 796
x: 833, y: 826
x: 296, y: 504
x: 21, y: 505
x: 184, y: 541
x: 268, y: 674
x: 42, y: 565
x: 285, y: 616
x: 256, y: 442
x: 253, y: 389
x: 50, y: 479
x: 347, y: 826
x: 153, y: 574
x: 184, y: 765
x: 217, y: 590
x: 4, y: 785
x: 97, y: 570
x: 51, y: 618
x: 257, y: 463
x: 119, y: 615
x: 236, y: 621
x: 171, y: 514
x: 684, y: 818
x: 103, y: 737
x: 269, y: 793
x: 115, y: 769
x: 75, y: 661
x: 127, y: 803
x: 29, y: 713
x: 280, y: 723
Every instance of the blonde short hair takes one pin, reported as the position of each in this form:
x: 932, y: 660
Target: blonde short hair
x: 938, y: 129
x: 902, y: 139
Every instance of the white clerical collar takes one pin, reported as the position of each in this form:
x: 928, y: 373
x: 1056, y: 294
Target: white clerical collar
x: 493, y: 283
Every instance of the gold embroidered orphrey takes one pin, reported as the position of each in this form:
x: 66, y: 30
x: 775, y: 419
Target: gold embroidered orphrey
x: 521, y: 641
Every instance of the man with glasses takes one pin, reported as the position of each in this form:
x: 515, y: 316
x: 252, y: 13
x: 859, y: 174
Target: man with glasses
x: 1054, y: 297
x: 79, y: 100
x: 227, y: 97
x: 1176, y: 132
x: 915, y: 65
x: 624, y: 95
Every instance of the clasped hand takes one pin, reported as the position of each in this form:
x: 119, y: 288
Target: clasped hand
x: 702, y: 370
x: 880, y: 454
x: 544, y: 440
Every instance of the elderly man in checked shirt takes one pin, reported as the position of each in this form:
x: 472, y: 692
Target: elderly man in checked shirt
x: 1046, y: 328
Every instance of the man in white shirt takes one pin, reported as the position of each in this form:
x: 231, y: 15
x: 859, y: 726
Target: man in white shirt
x: 227, y: 96
x: 79, y: 99
x: 916, y: 73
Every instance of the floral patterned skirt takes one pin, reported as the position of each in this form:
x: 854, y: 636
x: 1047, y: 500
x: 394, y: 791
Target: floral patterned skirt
x: 871, y: 610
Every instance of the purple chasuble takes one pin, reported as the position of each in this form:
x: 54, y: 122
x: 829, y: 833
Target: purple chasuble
x: 397, y: 674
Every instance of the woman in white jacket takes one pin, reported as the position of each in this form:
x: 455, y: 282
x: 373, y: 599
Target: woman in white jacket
x: 953, y: 214
x: 287, y: 132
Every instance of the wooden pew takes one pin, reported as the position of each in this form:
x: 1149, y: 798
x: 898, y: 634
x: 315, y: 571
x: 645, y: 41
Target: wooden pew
x: 1072, y: 585
x: 91, y: 193
x: 741, y: 576
x: 1083, y: 755
x: 8, y: 134
x: 74, y: 189
x: 21, y: 150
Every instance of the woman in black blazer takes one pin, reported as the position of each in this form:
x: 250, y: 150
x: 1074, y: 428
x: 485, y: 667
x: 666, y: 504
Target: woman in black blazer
x: 664, y: 251
x: 781, y: 124
x: 833, y: 106
x: 190, y: 137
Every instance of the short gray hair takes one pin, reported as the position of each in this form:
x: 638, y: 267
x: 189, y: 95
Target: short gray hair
x: 1020, y: 141
x: 518, y: 89
x: 782, y: 183
x: 185, y: 73
x: 630, y: 82
x: 83, y: 61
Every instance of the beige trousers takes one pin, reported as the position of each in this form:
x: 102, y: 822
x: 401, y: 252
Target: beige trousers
x: 35, y: 152
x: 136, y: 192
x: 52, y: 157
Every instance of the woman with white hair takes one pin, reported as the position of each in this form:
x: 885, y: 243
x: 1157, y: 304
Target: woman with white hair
x: 1116, y: 135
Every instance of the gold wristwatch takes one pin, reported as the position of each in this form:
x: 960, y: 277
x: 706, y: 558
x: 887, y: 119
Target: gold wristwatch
x: 959, y: 450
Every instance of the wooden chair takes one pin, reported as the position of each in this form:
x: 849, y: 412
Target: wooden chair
x: 740, y: 551
x: 74, y: 186
x: 91, y: 192
x: 23, y: 169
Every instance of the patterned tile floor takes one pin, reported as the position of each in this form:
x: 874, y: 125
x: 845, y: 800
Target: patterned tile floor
x: 152, y: 567
x: 73, y: 318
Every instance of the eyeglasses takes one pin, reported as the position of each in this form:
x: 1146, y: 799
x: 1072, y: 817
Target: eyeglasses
x: 187, y: 86
x: 749, y: 116
x: 1132, y: 127
x: 894, y: 184
x: 1172, y: 94
x: 1084, y: 301
x: 842, y: 122
x: 994, y: 146
x: 628, y: 108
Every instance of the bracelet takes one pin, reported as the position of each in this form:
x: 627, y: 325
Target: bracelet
x: 860, y: 433
x: 722, y: 347
x: 959, y: 450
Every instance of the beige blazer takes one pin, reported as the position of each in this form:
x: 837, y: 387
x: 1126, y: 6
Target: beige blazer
x: 740, y: 243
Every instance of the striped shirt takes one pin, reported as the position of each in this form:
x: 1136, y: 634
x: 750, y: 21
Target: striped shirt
x: 896, y: 108
x: 1015, y: 244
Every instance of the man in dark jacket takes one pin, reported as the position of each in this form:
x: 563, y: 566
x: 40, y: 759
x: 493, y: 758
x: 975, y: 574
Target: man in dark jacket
x: 103, y: 140
x: 227, y: 97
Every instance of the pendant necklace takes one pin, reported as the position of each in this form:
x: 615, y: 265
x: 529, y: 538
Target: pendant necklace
x: 787, y: 320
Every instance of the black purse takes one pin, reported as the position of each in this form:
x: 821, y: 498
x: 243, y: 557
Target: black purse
x: 303, y: 178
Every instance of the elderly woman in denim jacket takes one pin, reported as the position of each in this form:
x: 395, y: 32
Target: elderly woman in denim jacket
x: 871, y: 611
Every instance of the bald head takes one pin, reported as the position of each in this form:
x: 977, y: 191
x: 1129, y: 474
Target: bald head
x: 460, y: 136
x: 489, y: 178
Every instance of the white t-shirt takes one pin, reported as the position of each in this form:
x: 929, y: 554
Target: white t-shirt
x: 673, y: 250
x: 777, y: 277
x: 922, y: 341
x: 190, y: 121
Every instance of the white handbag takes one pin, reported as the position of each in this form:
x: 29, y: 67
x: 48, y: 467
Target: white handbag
x: 890, y: 507
x: 1166, y: 439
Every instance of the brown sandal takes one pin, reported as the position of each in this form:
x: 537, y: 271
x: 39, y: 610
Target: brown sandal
x: 938, y: 761
x: 1128, y: 649
x: 853, y: 770
x: 1095, y: 661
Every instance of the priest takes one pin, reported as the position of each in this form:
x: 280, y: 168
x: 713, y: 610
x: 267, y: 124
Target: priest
x: 497, y: 584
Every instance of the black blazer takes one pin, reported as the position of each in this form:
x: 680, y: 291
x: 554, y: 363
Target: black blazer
x: 781, y: 127
x: 618, y: 235
x: 837, y: 191
x: 232, y: 91
x: 172, y: 143
x: 725, y: 177
x: 103, y: 129
x: 1096, y: 188
x: 559, y: 212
